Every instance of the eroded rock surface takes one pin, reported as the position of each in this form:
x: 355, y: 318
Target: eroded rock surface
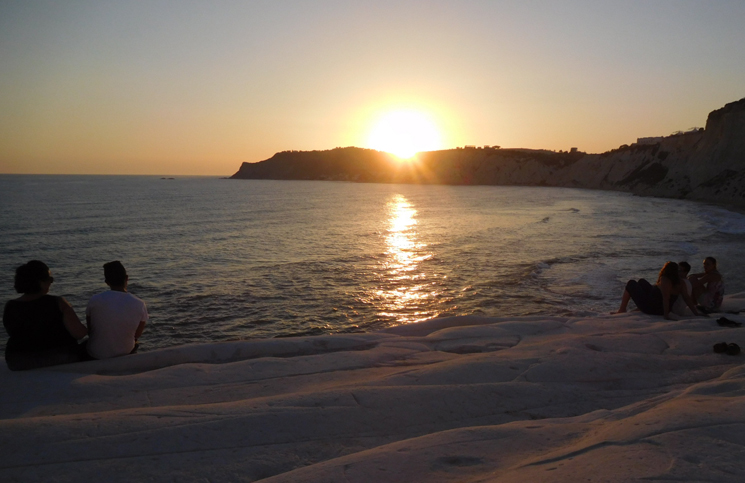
x: 609, y: 398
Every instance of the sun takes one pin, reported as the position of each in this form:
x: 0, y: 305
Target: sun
x: 404, y: 133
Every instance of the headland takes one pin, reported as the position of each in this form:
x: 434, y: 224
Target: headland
x: 706, y: 164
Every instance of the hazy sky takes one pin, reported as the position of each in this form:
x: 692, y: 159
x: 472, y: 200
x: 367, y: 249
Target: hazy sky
x: 197, y: 87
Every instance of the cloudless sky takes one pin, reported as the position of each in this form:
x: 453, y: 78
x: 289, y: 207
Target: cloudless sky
x: 198, y: 87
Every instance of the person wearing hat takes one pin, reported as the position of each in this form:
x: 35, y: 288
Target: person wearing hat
x: 115, y: 318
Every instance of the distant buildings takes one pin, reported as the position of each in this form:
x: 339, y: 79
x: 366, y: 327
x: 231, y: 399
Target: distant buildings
x: 486, y: 146
x: 651, y: 140
x: 657, y: 139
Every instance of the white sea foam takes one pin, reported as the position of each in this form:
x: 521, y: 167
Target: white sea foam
x: 725, y: 221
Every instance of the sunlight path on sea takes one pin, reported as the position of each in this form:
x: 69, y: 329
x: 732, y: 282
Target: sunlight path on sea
x: 405, y: 287
x: 223, y: 260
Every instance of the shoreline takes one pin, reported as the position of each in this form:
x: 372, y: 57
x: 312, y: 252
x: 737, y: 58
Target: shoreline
x: 547, y: 285
x: 735, y: 207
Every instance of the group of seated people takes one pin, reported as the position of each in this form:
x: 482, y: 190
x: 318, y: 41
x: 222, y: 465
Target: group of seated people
x: 44, y: 330
x: 676, y: 292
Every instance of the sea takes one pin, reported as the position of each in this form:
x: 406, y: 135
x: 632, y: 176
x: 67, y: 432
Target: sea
x: 220, y: 259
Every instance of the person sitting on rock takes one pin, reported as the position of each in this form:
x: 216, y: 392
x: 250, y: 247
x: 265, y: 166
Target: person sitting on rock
x: 708, y: 287
x: 115, y: 318
x: 657, y: 299
x: 680, y: 307
x: 44, y: 329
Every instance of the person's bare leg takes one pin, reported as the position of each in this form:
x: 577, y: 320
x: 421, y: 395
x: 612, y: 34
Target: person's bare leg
x: 624, y: 302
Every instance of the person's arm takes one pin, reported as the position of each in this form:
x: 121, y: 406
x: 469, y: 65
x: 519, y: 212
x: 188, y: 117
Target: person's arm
x: 143, y: 320
x: 705, y: 278
x: 71, y: 320
x: 688, y: 299
x: 7, y: 323
x: 140, y: 330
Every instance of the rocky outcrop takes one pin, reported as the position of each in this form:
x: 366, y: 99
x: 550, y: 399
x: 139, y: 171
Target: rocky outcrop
x: 706, y: 164
x: 340, y: 164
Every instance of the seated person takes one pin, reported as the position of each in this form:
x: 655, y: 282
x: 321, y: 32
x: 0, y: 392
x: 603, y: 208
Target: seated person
x: 708, y: 287
x: 680, y: 307
x: 43, y: 329
x: 115, y: 318
x: 659, y: 298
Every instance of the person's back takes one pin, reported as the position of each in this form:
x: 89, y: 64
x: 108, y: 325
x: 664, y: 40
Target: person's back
x: 43, y: 329
x: 35, y: 325
x: 115, y: 318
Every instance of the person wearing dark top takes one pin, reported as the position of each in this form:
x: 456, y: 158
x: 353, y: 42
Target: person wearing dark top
x: 44, y: 330
x: 657, y: 299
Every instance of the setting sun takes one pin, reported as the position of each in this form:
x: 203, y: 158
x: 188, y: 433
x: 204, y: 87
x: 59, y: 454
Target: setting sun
x: 404, y: 133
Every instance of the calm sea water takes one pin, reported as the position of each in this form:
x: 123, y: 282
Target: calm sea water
x: 220, y: 259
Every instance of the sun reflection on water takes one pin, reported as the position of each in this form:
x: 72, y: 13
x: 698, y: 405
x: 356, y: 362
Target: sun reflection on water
x: 403, y: 296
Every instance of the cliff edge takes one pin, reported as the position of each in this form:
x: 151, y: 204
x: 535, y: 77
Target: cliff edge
x: 706, y: 165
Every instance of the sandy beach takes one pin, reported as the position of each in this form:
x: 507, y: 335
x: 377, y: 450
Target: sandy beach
x: 608, y: 398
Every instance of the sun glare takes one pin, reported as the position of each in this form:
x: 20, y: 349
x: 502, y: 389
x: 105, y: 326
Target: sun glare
x: 404, y: 133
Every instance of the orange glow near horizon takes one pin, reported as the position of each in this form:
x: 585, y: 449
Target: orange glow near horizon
x: 404, y: 133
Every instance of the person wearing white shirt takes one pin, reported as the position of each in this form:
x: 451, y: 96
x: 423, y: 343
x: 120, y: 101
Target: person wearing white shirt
x: 115, y: 318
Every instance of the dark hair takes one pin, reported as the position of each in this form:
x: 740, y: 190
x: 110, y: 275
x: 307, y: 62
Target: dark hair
x: 29, y: 277
x: 114, y: 273
x: 670, y: 271
x: 712, y: 260
x: 684, y: 266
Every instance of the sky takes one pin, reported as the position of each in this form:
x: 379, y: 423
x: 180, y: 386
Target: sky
x: 187, y: 87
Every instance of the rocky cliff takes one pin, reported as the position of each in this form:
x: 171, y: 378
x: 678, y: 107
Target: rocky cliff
x: 706, y: 165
